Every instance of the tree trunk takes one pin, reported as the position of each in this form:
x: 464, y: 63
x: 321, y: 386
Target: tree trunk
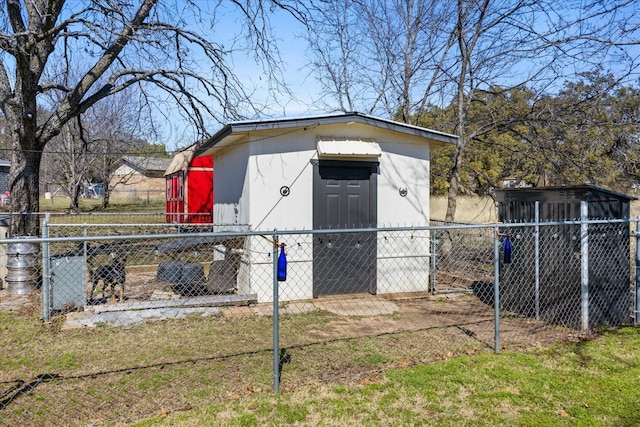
x: 107, y: 193
x: 454, y: 182
x: 24, y: 175
x: 24, y: 184
x: 74, y: 203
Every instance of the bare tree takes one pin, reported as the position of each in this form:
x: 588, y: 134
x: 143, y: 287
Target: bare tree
x: 374, y: 55
x: 72, y: 162
x: 87, y: 149
x: 161, y: 48
x: 411, y: 40
x: 415, y: 54
x: 115, y: 130
x: 336, y: 41
x: 531, y: 43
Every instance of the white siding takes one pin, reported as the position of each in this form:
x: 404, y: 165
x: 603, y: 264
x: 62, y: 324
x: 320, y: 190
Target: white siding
x: 231, y: 181
x: 282, y: 162
x: 403, y: 166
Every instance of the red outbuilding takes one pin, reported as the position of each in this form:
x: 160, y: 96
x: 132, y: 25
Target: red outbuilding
x: 189, y: 188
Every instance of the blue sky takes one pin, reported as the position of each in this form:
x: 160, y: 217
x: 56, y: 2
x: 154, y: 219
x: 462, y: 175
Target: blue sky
x: 293, y: 52
x: 297, y: 74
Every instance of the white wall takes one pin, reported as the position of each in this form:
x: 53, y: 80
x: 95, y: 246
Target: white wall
x: 230, y: 186
x: 278, y: 162
x: 248, y: 177
x: 257, y: 270
x: 403, y: 258
x: 403, y: 165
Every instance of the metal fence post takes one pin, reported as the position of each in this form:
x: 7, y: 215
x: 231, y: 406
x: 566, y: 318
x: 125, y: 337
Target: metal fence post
x: 637, y: 299
x: 46, y: 278
x: 537, y: 259
x: 584, y: 264
x: 496, y: 287
x: 434, y: 247
x: 85, y: 253
x: 84, y: 244
x: 276, y: 326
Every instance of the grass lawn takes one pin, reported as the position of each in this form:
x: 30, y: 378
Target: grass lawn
x: 61, y: 204
x: 585, y: 383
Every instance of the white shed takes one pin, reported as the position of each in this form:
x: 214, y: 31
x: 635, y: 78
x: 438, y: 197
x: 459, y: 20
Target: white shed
x: 346, y: 171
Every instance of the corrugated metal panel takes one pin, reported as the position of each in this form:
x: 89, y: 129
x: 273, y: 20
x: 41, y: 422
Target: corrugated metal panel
x: 68, y: 288
x: 341, y: 148
x: 561, y: 203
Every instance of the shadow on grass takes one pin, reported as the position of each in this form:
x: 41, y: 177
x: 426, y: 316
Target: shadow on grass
x: 21, y: 387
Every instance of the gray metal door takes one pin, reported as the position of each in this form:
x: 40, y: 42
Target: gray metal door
x: 344, y: 198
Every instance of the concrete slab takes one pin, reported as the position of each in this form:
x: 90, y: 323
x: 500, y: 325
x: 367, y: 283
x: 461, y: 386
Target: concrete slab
x: 262, y: 309
x: 291, y: 307
x: 367, y: 306
x: 298, y: 307
x: 130, y: 318
x: 237, y: 311
x: 207, y: 301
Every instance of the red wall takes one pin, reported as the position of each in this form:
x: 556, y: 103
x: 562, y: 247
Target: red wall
x: 200, y: 190
x: 175, y: 198
x: 189, y: 193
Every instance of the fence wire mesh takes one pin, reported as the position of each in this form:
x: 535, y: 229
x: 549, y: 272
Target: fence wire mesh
x: 145, y: 318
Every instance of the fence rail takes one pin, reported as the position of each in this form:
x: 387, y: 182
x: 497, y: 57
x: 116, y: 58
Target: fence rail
x: 142, y: 316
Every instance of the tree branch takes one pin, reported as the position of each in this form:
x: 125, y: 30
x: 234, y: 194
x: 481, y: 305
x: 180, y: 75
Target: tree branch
x: 70, y: 106
x: 5, y: 86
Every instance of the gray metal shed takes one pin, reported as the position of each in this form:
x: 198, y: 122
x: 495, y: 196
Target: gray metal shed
x: 572, y: 275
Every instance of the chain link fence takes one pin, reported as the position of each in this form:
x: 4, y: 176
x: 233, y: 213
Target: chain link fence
x: 105, y: 323
x: 95, y: 219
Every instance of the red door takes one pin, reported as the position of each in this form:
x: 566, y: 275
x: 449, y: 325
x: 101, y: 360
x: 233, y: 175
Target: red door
x: 200, y: 190
x: 175, y: 199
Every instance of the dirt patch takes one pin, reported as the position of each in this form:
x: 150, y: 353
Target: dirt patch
x: 140, y: 285
x: 462, y: 312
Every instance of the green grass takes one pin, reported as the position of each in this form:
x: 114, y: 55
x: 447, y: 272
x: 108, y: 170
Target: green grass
x: 586, y: 383
x: 61, y: 204
x: 337, y: 371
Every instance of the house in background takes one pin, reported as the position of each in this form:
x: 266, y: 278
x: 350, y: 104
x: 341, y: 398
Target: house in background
x: 326, y: 172
x: 135, y: 176
x: 189, y: 188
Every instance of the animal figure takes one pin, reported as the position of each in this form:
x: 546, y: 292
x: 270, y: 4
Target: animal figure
x: 111, y: 275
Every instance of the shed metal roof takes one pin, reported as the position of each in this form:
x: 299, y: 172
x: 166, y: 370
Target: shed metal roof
x: 235, y: 131
x: 578, y: 192
x: 146, y: 164
x: 181, y: 160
